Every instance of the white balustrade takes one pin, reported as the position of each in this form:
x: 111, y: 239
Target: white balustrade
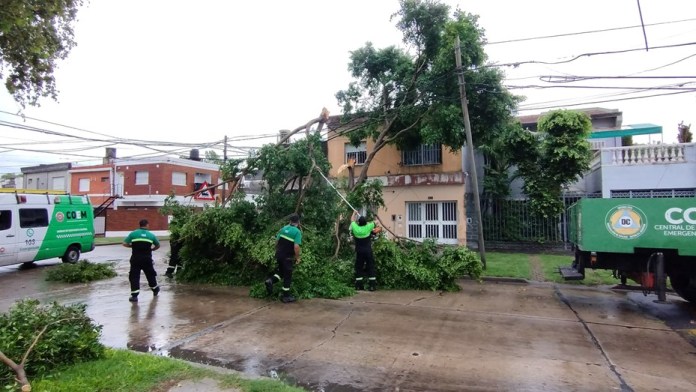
x: 645, y: 154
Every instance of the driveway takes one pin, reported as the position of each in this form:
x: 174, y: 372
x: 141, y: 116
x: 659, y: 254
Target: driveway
x: 489, y: 336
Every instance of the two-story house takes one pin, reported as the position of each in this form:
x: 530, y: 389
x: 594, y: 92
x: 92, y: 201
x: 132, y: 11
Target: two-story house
x: 640, y: 170
x: 52, y: 177
x: 129, y: 190
x: 423, y: 188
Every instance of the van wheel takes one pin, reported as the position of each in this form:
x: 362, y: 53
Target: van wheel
x: 72, y: 255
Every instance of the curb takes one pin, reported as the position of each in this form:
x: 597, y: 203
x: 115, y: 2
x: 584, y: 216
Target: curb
x: 500, y: 279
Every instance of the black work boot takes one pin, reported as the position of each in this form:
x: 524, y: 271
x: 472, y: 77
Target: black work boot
x: 155, y: 291
x: 372, y: 285
x: 359, y: 284
x: 133, y: 298
x: 287, y: 297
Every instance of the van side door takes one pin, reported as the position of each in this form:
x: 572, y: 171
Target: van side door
x: 8, y: 237
x: 33, y: 225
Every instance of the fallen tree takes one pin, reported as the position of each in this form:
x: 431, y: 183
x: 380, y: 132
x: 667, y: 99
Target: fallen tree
x: 234, y: 242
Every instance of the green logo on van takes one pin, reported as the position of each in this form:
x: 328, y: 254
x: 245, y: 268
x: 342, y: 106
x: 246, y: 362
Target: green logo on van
x: 626, y: 222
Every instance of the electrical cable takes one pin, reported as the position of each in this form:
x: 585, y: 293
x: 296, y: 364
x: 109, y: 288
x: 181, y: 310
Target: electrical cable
x: 586, y: 32
x: 589, y: 54
x: 533, y: 86
x: 605, y: 101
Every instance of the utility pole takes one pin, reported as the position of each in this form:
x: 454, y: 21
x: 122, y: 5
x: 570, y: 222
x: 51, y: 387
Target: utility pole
x: 470, y: 149
x: 224, y: 162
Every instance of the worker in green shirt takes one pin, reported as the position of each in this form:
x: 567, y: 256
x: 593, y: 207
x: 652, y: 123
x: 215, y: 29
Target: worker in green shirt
x: 143, y: 243
x: 362, y: 232
x: 288, y: 242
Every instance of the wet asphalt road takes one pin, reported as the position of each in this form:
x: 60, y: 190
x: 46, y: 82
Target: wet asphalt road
x: 487, y: 337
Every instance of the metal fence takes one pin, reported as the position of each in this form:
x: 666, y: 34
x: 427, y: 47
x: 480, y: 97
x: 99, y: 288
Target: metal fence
x: 511, y: 221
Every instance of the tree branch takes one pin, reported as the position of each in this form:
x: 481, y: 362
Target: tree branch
x: 17, y: 369
x: 408, y: 128
x: 338, y: 236
x: 323, y: 117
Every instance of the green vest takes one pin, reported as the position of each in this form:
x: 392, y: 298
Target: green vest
x: 362, y: 231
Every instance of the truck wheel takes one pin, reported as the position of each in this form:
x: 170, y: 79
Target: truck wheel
x: 681, y: 285
x: 72, y: 255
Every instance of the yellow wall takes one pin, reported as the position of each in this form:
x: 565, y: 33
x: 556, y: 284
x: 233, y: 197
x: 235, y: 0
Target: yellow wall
x: 396, y: 198
x: 386, y: 161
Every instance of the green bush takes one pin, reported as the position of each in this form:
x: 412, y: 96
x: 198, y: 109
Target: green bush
x: 408, y: 265
x: 70, y: 337
x: 81, y: 272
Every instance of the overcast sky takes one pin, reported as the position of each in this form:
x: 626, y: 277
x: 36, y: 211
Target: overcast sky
x: 194, y: 72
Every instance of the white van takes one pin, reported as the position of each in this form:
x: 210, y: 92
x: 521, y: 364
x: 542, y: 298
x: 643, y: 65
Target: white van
x: 39, y: 225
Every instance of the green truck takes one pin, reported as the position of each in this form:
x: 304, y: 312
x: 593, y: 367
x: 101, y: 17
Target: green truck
x: 645, y: 240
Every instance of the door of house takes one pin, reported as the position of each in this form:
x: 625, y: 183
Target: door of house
x: 436, y: 220
x: 118, y: 184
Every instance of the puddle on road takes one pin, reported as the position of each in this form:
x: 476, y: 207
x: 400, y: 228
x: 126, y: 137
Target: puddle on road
x: 253, y: 367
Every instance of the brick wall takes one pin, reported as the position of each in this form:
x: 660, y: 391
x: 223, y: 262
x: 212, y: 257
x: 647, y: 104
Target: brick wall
x: 128, y: 218
x: 160, y: 179
x: 96, y: 185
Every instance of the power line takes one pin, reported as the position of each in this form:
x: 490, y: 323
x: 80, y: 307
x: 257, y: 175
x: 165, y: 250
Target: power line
x: 540, y: 77
x: 667, y: 65
x: 586, y: 32
x: 575, y: 78
x: 643, y: 88
x: 589, y: 54
x: 609, y: 100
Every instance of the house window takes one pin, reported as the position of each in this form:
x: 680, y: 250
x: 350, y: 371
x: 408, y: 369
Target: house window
x: 359, y: 153
x: 105, y: 179
x: 178, y: 178
x: 436, y: 220
x: 425, y: 154
x: 200, y: 178
x: 33, y: 217
x: 142, y: 178
x: 58, y: 183
x: 83, y: 185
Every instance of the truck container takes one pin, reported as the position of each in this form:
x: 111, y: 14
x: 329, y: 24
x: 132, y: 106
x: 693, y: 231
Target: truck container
x: 644, y: 239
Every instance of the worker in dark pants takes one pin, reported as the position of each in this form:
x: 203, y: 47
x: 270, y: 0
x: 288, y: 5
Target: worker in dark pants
x: 362, y: 232
x: 142, y: 242
x: 288, y: 242
x: 174, y: 258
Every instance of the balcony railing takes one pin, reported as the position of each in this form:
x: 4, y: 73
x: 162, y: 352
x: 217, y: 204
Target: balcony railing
x: 644, y: 154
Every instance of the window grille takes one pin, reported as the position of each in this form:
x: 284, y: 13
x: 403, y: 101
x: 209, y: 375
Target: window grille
x: 434, y: 220
x: 425, y: 154
x: 359, y: 153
